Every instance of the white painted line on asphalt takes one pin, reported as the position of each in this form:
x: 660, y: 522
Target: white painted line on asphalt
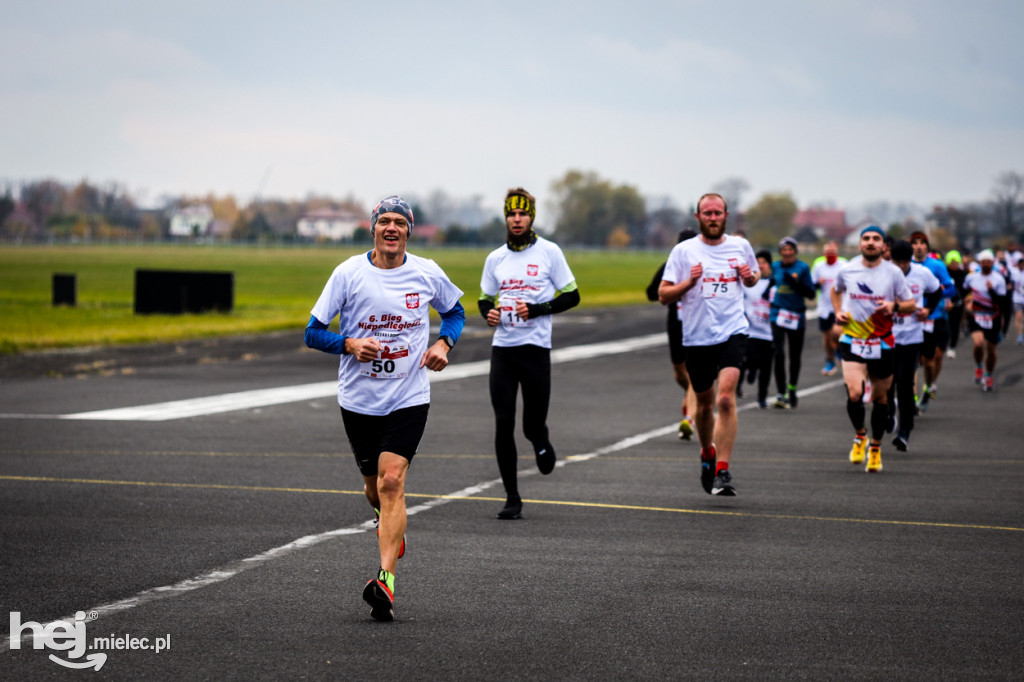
x: 245, y: 400
x: 224, y: 573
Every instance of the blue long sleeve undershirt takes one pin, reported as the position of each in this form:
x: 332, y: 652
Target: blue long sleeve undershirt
x: 318, y: 336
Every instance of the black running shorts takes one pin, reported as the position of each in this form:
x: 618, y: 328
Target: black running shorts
x: 881, y: 368
x: 992, y: 334
x: 825, y: 324
x: 370, y: 435
x: 703, y: 363
x: 939, y: 338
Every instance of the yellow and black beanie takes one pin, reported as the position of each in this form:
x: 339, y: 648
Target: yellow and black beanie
x: 518, y: 198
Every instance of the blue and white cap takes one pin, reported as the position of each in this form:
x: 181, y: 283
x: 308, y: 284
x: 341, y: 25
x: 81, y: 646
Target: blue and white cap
x: 392, y: 204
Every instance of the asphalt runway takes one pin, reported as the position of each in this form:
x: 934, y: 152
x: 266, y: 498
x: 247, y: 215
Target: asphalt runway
x: 238, y: 539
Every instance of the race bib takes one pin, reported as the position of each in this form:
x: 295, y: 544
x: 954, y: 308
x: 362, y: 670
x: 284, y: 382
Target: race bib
x: 720, y: 285
x: 900, y: 319
x: 507, y: 305
x: 392, y: 362
x: 869, y: 349
x: 787, y: 319
x: 983, y: 320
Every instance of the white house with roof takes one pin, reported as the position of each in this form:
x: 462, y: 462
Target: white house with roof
x: 192, y: 221
x: 328, y: 223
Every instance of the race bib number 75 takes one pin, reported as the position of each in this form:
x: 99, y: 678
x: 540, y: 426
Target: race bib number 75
x: 720, y: 285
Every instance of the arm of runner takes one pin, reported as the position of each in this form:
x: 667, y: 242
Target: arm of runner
x: 670, y: 292
x: 568, y: 297
x: 749, y: 277
x: 487, y: 308
x: 931, y: 300
x: 318, y: 336
x: 842, y: 317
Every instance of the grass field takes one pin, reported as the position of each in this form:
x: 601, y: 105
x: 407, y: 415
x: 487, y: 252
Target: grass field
x: 275, y: 287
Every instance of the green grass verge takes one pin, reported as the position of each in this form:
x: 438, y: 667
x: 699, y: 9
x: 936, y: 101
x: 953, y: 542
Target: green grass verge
x: 275, y: 287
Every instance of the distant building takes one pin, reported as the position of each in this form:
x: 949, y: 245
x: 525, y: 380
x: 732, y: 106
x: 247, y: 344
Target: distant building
x: 192, y: 221
x: 328, y: 224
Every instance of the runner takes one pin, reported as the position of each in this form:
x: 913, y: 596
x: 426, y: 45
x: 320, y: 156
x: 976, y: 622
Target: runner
x: 936, y: 327
x: 908, y: 332
x: 792, y: 283
x: 984, y: 292
x: 957, y: 272
x: 866, y: 294
x: 760, y: 352
x: 382, y: 300
x: 676, y: 350
x: 524, y: 282
x: 1017, y: 273
x: 823, y: 273
x: 705, y: 274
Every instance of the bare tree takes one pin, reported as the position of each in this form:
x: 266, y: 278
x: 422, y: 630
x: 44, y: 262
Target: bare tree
x: 733, y: 190
x: 1008, y: 192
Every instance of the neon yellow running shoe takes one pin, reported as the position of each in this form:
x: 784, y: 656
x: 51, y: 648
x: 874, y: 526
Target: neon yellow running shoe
x: 685, y: 429
x: 860, y: 444
x: 874, y: 460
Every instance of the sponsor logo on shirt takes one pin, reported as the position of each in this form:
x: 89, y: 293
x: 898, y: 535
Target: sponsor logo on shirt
x: 864, y: 288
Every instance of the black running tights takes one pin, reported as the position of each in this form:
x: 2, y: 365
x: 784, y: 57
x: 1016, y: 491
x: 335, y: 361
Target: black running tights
x: 795, y: 338
x: 513, y: 367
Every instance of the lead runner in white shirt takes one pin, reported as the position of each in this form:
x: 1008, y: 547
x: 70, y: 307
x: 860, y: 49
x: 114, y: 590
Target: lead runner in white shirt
x: 705, y: 273
x: 382, y: 301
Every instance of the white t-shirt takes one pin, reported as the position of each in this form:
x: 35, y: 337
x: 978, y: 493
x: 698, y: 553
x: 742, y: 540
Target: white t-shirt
x: 907, y: 329
x: 863, y: 288
x: 1018, y: 285
x: 713, y: 310
x: 981, y: 300
x: 532, y: 275
x: 824, y: 275
x: 393, y: 305
x: 758, y: 309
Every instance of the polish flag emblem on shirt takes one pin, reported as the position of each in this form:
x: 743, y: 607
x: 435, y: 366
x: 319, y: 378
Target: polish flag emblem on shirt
x: 412, y: 301
x: 532, y: 270
x: 734, y: 263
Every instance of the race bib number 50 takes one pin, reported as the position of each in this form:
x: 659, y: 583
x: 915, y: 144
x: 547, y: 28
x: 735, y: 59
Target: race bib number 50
x: 392, y: 362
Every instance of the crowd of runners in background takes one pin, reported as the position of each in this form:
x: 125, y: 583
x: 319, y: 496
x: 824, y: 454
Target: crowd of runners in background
x: 888, y: 318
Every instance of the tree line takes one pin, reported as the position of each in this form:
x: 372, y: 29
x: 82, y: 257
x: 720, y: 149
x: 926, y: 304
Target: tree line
x: 582, y: 209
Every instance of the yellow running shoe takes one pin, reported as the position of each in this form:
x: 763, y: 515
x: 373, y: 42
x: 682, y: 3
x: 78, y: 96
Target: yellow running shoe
x: 874, y: 460
x: 860, y: 444
x: 685, y: 429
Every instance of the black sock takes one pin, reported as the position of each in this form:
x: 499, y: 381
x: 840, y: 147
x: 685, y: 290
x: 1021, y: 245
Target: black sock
x: 879, y: 418
x: 855, y: 408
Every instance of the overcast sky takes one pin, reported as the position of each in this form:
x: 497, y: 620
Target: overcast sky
x: 844, y: 102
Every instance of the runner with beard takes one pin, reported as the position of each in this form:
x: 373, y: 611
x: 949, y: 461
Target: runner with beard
x: 705, y: 274
x: 865, y: 295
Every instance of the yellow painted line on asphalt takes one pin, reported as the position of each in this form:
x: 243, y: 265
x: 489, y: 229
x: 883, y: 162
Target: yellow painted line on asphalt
x: 561, y: 503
